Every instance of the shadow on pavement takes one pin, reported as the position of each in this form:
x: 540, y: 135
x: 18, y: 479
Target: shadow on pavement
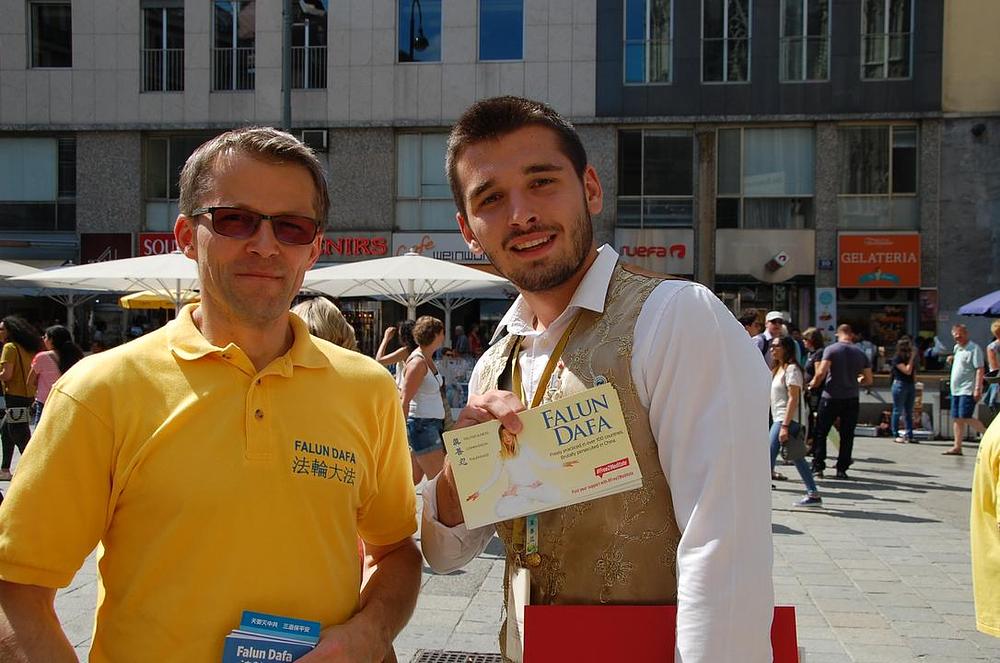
x: 869, y: 515
x: 782, y: 529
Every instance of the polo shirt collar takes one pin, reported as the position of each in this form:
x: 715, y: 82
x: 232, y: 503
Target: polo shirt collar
x: 591, y: 294
x: 187, y: 342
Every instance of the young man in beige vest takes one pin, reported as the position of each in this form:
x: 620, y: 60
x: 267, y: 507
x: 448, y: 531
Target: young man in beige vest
x: 694, y: 392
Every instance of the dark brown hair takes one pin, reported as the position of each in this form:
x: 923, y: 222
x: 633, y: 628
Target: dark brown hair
x: 492, y: 119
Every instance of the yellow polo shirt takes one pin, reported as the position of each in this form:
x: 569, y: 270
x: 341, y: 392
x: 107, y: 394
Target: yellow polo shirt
x: 213, y: 488
x: 984, y: 530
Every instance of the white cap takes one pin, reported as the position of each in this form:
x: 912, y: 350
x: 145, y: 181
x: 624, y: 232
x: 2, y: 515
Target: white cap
x: 774, y: 315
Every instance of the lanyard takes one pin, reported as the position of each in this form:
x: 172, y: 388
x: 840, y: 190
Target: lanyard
x: 525, y: 534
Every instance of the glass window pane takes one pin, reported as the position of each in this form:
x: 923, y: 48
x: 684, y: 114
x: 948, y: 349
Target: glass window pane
x: 28, y: 169
x: 437, y: 215
x: 879, y: 212
x: 181, y: 147
x: 419, y: 31
x: 713, y: 18
x: 899, y: 56
x: 635, y: 62
x: 904, y: 160
x: 739, y: 63
x: 667, y: 213
x: 408, y: 215
x: 223, y: 24
x: 727, y: 213
x: 864, y: 160
x: 873, y: 16
x: 155, y: 168
x: 501, y: 29
x: 905, y: 213
x: 629, y: 163
x: 67, y: 167
x: 635, y: 19
x: 729, y: 162
x: 739, y: 19
x: 791, y: 59
x: 713, y: 52
x: 153, y: 28
x: 817, y: 58
x: 659, y: 61
x: 246, y: 23
x: 158, y: 216
x: 175, y: 27
x: 778, y: 162
x: 432, y: 176
x: 899, y: 16
x: 791, y: 15
x: 51, y: 35
x: 817, y: 18
x: 28, y: 216
x: 668, y: 168
x: 777, y: 213
x: 629, y: 213
x: 408, y: 159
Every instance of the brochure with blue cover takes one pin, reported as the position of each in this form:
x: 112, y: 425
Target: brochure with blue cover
x: 264, y: 638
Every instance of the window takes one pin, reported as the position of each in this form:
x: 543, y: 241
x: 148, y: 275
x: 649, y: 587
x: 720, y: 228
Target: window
x: 878, y: 182
x: 805, y: 40
x: 501, y: 29
x: 655, y: 178
x: 648, y: 33
x: 423, y: 197
x: 51, y: 34
x: 725, y: 40
x: 233, y: 46
x: 38, y: 183
x: 163, y: 158
x: 163, y: 48
x: 309, y: 44
x: 419, y: 30
x: 766, y: 178
x: 885, y: 38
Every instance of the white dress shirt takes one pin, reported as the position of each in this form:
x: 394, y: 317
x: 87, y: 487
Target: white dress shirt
x: 706, y: 390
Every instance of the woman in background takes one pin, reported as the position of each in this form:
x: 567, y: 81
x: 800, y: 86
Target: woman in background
x: 904, y: 373
x: 20, y: 344
x: 325, y: 321
x: 423, y: 403
x: 993, y: 364
x: 59, y: 355
x: 786, y: 390
x: 404, y: 333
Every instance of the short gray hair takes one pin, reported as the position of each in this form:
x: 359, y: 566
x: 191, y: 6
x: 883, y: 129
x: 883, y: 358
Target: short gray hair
x: 264, y: 143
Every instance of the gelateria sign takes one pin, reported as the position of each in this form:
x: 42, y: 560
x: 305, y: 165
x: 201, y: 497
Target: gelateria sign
x: 878, y: 260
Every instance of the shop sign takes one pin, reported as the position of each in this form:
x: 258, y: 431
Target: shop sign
x: 156, y: 244
x: 768, y: 255
x: 443, y: 246
x: 826, y: 311
x: 663, y: 250
x: 826, y: 264
x: 98, y: 247
x: 881, y: 260
x: 354, y: 246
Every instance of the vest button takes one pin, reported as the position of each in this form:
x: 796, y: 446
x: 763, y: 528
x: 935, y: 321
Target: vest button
x: 258, y: 413
x: 533, y: 560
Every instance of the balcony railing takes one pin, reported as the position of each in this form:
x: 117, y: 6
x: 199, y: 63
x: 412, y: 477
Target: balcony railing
x: 233, y: 68
x: 162, y: 69
x: 308, y: 67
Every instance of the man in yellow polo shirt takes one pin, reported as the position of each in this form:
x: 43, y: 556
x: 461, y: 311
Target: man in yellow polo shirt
x: 226, y: 462
x: 984, y: 527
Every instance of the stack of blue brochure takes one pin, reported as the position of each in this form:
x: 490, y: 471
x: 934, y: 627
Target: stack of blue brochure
x: 262, y: 637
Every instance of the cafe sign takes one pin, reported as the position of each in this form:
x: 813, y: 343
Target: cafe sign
x: 878, y: 260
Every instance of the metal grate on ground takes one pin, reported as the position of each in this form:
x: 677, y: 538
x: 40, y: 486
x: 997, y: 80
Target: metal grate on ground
x: 442, y: 656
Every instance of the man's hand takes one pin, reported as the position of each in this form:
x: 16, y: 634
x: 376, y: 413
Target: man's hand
x: 346, y: 643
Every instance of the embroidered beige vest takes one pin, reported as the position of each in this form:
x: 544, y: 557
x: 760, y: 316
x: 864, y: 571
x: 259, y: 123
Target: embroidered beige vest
x: 621, y: 548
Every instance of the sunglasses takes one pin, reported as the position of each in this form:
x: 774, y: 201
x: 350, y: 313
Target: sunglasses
x: 242, y: 224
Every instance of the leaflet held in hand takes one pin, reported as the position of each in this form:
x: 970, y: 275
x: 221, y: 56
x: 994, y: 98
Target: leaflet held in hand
x: 262, y: 637
x: 571, y: 450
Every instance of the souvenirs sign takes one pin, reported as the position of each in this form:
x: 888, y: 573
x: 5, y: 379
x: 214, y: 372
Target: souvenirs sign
x: 569, y: 451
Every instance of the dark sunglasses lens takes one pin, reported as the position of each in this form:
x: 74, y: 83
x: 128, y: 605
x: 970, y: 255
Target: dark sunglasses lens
x: 294, y: 229
x: 237, y: 223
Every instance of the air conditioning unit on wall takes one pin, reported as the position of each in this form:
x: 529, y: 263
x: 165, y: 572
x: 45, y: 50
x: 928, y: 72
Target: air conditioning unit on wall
x: 316, y: 139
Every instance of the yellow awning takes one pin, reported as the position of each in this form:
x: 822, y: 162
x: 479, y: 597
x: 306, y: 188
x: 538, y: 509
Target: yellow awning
x: 147, y: 299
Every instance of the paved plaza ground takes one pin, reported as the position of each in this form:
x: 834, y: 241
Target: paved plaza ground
x: 879, y: 574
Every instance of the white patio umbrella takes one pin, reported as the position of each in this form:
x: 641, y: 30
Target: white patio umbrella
x: 8, y: 268
x: 169, y: 274
x: 410, y: 280
x: 68, y: 296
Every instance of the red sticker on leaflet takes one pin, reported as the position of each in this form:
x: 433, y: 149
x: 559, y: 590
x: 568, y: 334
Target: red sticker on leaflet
x: 610, y: 467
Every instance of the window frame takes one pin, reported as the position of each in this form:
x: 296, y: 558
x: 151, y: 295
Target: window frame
x: 479, y: 34
x: 742, y: 196
x: 235, y: 6
x: 31, y: 34
x: 805, y: 36
x: 646, y: 42
x: 306, y: 63
x: 889, y: 196
x: 725, y: 41
x: 418, y: 199
x: 886, y: 34
x: 167, y: 137
x: 163, y: 6
x: 64, y: 171
x: 688, y: 131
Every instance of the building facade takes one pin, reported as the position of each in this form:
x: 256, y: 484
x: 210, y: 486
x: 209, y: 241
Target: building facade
x: 836, y: 160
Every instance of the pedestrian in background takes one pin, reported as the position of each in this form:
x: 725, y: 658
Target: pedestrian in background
x: 993, y: 364
x: 403, y: 333
x: 21, y: 342
x: 46, y: 367
x: 904, y: 373
x: 750, y: 319
x: 786, y: 393
x: 325, y: 321
x: 774, y: 327
x: 967, y: 370
x: 814, y: 342
x: 422, y: 399
x: 843, y: 369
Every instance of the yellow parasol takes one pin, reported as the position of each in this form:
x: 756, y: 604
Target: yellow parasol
x: 148, y: 299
